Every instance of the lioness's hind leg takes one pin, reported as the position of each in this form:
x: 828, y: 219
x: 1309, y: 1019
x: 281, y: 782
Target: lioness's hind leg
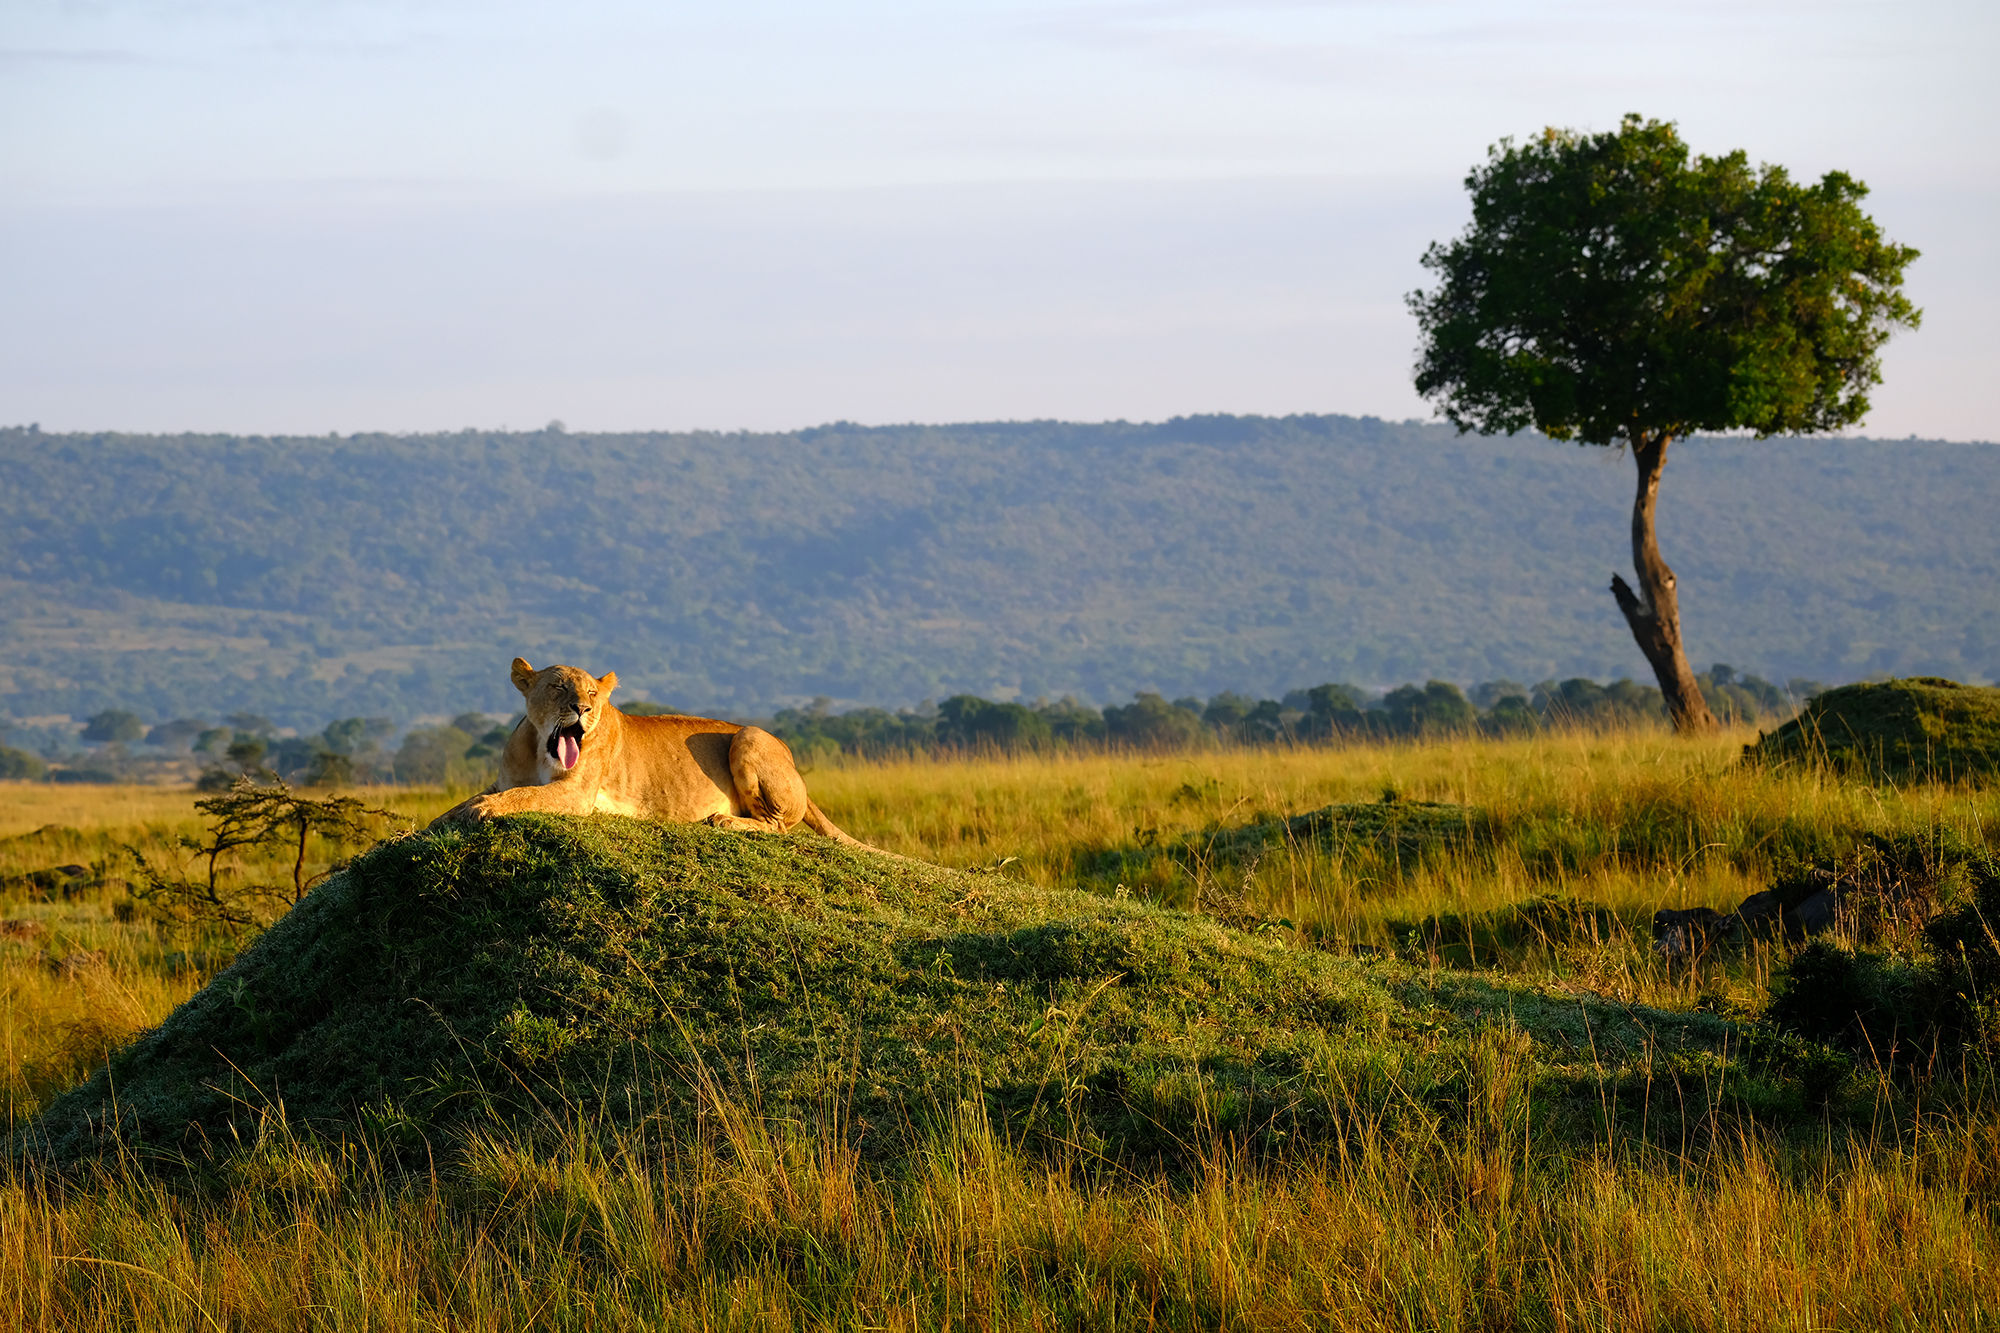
x: 738, y: 824
x: 767, y: 781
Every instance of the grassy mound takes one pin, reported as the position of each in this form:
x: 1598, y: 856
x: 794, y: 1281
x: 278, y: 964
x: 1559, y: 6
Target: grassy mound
x: 618, y: 970
x: 1392, y: 828
x: 1920, y: 727
x: 1392, y: 831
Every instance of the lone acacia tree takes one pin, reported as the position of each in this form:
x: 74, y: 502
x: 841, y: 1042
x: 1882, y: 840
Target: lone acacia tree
x: 1610, y: 291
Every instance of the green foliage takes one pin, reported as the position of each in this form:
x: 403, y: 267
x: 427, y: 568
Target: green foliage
x: 1913, y: 977
x: 19, y: 766
x: 179, y: 734
x: 969, y: 721
x: 1610, y: 287
x: 962, y: 721
x: 357, y: 735
x: 1580, y: 702
x: 243, y: 756
x: 87, y: 776
x: 1336, y: 708
x: 1734, y: 697
x: 493, y: 741
x: 1964, y: 952
x: 1150, y: 722
x: 1227, y: 710
x: 1867, y: 1001
x: 1902, y: 1010
x: 863, y: 731
x: 1331, y: 712
x: 331, y: 770
x: 435, y: 756
x: 1438, y: 708
x: 1895, y: 729
x: 1072, y: 721
x: 1490, y: 694
x: 350, y: 749
x: 247, y: 752
x: 1249, y: 721
x: 1510, y: 715
x: 1888, y: 887
x: 1575, y: 1132
x: 115, y: 725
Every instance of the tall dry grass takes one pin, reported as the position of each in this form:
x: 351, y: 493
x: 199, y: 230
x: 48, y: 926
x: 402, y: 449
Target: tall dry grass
x: 1633, y: 821
x: 762, y: 1224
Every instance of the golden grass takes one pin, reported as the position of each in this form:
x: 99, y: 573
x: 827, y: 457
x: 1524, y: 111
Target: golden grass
x: 760, y: 1226
x: 27, y: 806
x: 764, y: 1225
x: 1634, y: 820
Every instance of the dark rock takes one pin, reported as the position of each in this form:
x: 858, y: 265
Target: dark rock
x: 43, y: 885
x: 1760, y: 912
x: 1684, y: 936
x: 1814, y: 916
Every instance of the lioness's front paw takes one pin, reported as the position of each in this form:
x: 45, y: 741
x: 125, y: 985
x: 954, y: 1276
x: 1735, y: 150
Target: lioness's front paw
x: 466, y: 813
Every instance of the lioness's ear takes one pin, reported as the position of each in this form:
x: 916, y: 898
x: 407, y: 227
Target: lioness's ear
x: 524, y: 675
x: 608, y: 681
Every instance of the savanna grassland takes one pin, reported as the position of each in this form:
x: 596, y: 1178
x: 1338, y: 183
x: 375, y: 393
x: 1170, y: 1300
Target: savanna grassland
x: 1517, y: 1141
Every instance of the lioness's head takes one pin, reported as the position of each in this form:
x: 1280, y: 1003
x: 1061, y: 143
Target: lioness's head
x: 564, y: 707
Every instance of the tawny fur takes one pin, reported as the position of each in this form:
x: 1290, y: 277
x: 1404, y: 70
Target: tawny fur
x: 690, y: 769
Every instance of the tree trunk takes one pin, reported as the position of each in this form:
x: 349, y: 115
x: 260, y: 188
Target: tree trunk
x: 1655, y: 612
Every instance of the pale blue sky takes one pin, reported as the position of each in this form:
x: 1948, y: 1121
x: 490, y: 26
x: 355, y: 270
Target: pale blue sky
x: 339, y: 215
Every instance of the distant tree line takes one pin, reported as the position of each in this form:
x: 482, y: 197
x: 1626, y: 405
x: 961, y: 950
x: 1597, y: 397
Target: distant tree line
x: 465, y: 751
x: 348, y: 751
x: 1329, y: 712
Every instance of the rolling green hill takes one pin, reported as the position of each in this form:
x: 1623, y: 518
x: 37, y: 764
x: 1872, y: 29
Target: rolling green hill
x: 311, y: 578
x: 452, y: 982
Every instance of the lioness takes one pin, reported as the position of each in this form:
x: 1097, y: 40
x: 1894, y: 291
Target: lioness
x: 574, y: 754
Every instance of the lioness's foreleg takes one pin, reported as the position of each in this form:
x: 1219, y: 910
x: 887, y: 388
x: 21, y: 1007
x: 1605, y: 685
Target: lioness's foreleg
x: 556, y: 798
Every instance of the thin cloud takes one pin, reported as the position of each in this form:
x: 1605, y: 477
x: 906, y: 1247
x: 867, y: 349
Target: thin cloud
x: 1395, y: 50
x: 62, y: 56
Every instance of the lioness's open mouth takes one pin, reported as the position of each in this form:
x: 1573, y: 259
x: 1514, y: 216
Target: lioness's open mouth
x: 566, y: 744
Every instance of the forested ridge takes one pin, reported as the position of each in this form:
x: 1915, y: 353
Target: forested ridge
x: 307, y: 578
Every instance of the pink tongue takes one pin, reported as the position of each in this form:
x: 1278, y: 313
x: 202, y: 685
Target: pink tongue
x: 568, y: 751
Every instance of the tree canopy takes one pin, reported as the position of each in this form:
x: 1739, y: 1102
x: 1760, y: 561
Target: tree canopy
x: 1610, y: 287
x: 1611, y: 290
